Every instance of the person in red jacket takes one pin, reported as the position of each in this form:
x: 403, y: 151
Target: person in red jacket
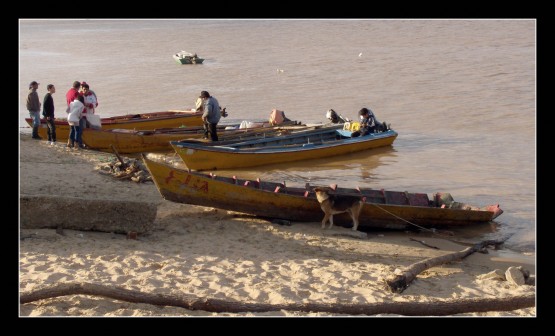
x: 72, y: 93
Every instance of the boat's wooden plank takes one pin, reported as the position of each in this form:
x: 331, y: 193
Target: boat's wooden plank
x: 396, y: 197
x: 418, y: 199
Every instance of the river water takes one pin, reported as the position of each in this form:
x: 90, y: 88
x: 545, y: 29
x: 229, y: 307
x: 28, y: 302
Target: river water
x: 460, y: 93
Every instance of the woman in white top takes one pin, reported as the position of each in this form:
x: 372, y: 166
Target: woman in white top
x: 74, y: 115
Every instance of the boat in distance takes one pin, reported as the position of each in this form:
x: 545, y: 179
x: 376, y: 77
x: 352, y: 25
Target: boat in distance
x: 381, y: 208
x: 184, y: 57
x: 319, y: 143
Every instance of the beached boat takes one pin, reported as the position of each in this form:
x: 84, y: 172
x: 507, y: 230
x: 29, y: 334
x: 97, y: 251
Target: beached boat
x: 323, y: 142
x: 137, y: 141
x: 142, y: 121
x: 381, y: 209
x: 184, y: 57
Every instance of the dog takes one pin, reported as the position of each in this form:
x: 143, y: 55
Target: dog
x: 336, y: 204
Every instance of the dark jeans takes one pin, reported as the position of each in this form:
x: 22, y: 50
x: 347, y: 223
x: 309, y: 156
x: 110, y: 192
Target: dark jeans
x: 82, y: 126
x: 73, y: 134
x: 51, y: 129
x: 212, y: 129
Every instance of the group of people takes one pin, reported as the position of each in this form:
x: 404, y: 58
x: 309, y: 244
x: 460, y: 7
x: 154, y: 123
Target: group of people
x: 81, y: 101
x: 80, y: 104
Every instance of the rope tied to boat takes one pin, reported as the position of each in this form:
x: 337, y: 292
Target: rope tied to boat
x: 432, y: 230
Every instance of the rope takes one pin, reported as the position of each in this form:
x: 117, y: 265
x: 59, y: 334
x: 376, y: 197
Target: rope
x: 434, y: 231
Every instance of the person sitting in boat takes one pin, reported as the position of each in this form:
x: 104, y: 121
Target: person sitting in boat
x: 369, y: 123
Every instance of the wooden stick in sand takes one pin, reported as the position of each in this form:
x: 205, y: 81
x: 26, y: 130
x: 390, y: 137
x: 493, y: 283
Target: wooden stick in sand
x: 398, y: 282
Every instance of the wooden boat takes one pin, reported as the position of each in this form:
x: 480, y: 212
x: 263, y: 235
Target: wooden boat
x: 133, y: 141
x: 142, y: 121
x: 184, y: 57
x: 323, y: 142
x: 381, y: 209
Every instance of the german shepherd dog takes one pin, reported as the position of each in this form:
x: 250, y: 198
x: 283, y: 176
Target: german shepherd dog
x: 336, y: 204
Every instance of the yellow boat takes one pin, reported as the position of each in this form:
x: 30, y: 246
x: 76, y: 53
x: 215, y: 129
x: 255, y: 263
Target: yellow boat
x: 381, y: 208
x: 142, y: 121
x: 320, y: 143
x: 132, y: 141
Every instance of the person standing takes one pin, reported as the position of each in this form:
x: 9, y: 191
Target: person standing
x: 33, y: 106
x: 82, y: 92
x: 72, y: 93
x: 90, y: 103
x: 75, y: 112
x: 48, y: 113
x: 211, y: 115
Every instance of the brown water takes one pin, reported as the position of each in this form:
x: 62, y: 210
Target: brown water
x: 460, y: 93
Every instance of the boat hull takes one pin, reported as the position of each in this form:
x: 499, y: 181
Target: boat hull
x: 274, y: 200
x: 216, y: 157
x: 131, y: 141
x: 145, y: 121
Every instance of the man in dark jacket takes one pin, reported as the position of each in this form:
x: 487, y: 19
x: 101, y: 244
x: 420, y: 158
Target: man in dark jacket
x: 33, y: 106
x: 48, y: 113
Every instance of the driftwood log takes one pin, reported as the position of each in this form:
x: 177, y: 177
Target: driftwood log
x: 398, y: 282
x: 435, y: 308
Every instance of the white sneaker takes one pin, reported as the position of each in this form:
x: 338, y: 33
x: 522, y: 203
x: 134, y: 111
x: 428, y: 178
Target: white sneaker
x: 52, y: 143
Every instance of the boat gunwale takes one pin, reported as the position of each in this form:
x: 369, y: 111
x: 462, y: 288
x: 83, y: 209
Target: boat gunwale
x: 237, y: 147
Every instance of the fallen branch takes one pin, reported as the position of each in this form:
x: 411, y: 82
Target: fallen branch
x: 435, y: 308
x: 123, y: 165
x: 424, y: 243
x: 398, y: 282
x: 125, y: 175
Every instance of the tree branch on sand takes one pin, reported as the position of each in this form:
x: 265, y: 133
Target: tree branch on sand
x: 399, y: 281
x: 433, y: 308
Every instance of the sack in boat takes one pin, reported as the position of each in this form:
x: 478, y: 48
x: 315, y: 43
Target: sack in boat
x: 94, y: 120
x: 277, y: 117
x: 443, y: 199
x: 199, y: 105
x: 250, y: 124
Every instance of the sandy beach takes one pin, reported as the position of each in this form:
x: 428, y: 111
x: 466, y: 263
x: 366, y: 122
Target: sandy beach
x: 219, y: 254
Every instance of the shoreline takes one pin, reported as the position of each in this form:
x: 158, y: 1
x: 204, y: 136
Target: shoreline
x: 214, y: 253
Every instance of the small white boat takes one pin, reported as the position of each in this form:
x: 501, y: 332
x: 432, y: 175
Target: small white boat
x: 184, y: 57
